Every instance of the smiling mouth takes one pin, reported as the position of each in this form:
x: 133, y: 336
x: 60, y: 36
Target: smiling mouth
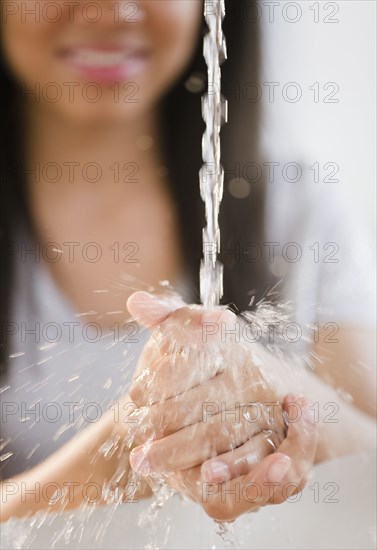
x: 100, y: 59
x: 104, y: 58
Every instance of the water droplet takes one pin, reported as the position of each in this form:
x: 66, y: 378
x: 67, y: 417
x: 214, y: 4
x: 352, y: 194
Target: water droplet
x: 195, y: 83
x: 239, y: 188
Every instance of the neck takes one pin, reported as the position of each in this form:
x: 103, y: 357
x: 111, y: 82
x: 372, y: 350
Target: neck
x: 81, y: 153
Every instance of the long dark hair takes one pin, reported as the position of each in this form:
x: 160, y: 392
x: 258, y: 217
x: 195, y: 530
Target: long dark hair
x: 241, y: 220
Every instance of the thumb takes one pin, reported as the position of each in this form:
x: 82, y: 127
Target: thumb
x: 151, y: 309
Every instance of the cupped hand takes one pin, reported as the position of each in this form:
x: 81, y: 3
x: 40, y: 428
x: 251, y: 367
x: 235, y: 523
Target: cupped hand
x: 212, y: 414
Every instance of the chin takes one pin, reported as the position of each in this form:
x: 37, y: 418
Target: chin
x: 102, y: 113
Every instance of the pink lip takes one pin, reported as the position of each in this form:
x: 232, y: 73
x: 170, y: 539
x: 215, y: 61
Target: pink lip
x: 105, y: 63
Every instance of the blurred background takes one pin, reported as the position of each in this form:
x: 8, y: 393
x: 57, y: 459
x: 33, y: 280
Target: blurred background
x: 334, y: 67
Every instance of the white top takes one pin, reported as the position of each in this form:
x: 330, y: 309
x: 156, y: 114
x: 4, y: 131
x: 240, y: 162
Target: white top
x: 62, y: 381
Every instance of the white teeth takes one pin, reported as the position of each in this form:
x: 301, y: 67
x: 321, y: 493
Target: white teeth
x: 92, y: 58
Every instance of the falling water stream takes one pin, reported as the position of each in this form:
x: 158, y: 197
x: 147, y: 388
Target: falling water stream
x: 214, y: 109
x: 211, y: 175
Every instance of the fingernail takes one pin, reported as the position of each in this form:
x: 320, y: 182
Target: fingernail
x: 215, y: 471
x: 139, y: 461
x: 279, y: 468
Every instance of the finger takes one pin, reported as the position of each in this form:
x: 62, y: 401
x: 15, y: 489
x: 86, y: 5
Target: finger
x: 272, y: 481
x: 172, y: 375
x: 284, y: 472
x: 165, y: 344
x: 300, y: 445
x: 187, y: 354
x: 187, y: 482
x: 217, y: 435
x: 224, y: 394
x: 226, y: 501
x: 151, y: 309
x: 240, y: 461
x: 190, y: 407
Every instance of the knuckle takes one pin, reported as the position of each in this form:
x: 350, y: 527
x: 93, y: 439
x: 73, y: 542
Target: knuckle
x: 272, y: 440
x: 156, y: 457
x: 278, y: 498
x: 133, y: 393
x: 214, y: 436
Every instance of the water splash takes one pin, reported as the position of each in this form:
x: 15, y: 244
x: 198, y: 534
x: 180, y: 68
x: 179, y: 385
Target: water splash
x: 214, y: 111
x: 225, y: 530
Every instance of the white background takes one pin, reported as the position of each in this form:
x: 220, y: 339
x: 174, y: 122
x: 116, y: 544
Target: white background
x: 305, y: 52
